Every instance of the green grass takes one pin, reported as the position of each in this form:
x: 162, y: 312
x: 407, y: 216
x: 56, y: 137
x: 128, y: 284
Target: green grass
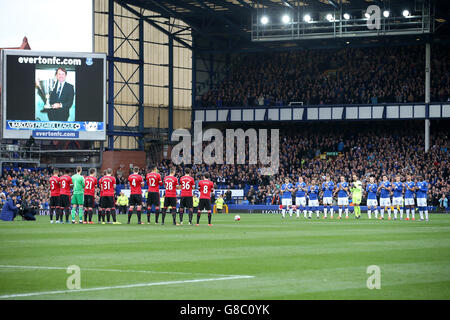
x: 287, y: 259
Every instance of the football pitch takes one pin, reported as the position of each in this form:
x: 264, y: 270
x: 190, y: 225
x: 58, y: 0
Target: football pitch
x: 260, y: 257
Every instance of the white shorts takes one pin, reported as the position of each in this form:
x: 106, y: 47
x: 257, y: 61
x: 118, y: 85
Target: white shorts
x: 372, y: 203
x: 286, y: 202
x: 300, y: 201
x: 409, y: 201
x: 385, y: 202
x: 397, y: 201
x: 342, y: 202
x: 421, y: 202
x: 328, y: 200
x: 313, y: 203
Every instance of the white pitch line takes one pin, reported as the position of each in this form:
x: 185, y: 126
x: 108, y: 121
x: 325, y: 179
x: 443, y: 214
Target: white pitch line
x: 122, y: 287
x: 111, y: 270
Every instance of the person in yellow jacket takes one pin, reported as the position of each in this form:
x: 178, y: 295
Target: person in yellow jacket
x: 219, y: 204
x: 195, y: 202
x: 122, y: 203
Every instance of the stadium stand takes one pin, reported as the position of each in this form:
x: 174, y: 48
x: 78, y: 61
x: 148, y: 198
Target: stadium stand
x: 344, y: 76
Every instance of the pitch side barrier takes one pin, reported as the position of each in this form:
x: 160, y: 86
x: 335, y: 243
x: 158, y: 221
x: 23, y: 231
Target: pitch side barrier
x: 275, y: 209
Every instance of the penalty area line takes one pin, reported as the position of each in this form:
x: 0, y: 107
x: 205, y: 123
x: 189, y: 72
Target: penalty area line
x: 150, y: 284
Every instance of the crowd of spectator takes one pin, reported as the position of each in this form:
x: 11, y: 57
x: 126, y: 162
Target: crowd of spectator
x: 365, y: 149
x: 380, y: 148
x: 332, y: 76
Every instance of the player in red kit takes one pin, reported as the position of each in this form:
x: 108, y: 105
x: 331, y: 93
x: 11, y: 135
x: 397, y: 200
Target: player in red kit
x: 187, y: 184
x: 205, y: 187
x: 136, y: 183
x: 90, y: 183
x: 170, y: 197
x: 54, y: 196
x: 153, y: 181
x: 101, y: 210
x: 65, y: 183
x: 108, y: 185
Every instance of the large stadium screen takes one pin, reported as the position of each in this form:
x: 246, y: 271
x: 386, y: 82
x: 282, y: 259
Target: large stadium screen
x: 53, y: 95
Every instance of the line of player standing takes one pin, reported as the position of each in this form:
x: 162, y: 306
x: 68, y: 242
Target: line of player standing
x: 79, y: 192
x: 403, y: 197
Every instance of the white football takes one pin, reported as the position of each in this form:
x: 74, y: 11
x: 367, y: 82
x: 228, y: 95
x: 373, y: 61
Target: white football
x: 237, y: 217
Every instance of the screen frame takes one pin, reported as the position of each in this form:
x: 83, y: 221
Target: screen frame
x: 25, y: 134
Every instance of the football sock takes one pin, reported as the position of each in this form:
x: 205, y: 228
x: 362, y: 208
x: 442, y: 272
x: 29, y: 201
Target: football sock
x: 340, y: 212
x: 346, y: 212
x: 209, y: 217
x: 139, y: 215
x: 190, y: 215
x: 130, y: 213
x: 382, y: 213
x: 283, y: 212
x: 108, y: 215
x: 90, y: 214
x: 331, y: 212
x: 407, y: 213
x: 164, y: 215
x: 369, y: 213
x: 325, y: 211
x: 376, y: 214
x: 426, y: 214
x: 413, y: 213
x: 401, y: 213
x: 74, y: 212
x: 421, y: 213
x: 113, y: 213
x: 389, y: 212
x: 51, y: 213
x: 198, y: 217
x: 174, y: 216
x: 181, y: 212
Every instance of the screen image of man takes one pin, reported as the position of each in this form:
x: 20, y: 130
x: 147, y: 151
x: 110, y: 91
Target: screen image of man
x: 61, y: 98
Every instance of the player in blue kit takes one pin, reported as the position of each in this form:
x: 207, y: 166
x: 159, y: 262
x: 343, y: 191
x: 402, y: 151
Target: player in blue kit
x: 342, y: 193
x: 410, y: 188
x: 397, y: 199
x: 327, y: 200
x: 300, y: 196
x: 385, y: 188
x: 286, y: 197
x: 372, y: 203
x: 421, y: 193
x: 313, y: 203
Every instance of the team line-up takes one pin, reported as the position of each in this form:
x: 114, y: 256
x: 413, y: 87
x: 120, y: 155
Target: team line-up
x: 76, y: 194
x: 403, y: 194
x: 69, y: 193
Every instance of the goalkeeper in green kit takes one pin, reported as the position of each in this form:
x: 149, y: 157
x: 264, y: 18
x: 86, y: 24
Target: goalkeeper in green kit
x: 356, y: 190
x: 78, y: 195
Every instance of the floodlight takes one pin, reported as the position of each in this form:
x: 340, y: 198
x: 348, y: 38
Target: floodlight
x: 264, y: 20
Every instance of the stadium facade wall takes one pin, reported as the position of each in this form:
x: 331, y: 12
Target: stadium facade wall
x: 113, y: 159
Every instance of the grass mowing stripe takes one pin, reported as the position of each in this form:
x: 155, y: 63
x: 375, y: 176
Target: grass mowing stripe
x: 118, y: 270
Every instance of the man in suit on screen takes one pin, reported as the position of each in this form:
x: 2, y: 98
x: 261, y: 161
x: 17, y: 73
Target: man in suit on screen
x: 61, y: 98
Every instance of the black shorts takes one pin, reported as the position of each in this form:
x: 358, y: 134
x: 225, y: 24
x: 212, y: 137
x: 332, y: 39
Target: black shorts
x: 135, y: 200
x: 170, y: 202
x: 186, y: 202
x: 153, y: 199
x: 204, y: 204
x: 54, y: 201
x: 107, y: 202
x: 64, y: 201
x: 88, y: 201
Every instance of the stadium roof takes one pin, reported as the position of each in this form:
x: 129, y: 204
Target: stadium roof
x: 222, y: 24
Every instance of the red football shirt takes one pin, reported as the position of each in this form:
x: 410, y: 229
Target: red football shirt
x: 135, y: 181
x: 187, y: 185
x: 170, y: 182
x: 89, y: 185
x: 54, y: 186
x: 107, y: 184
x: 205, y: 187
x: 65, y: 182
x: 153, y: 181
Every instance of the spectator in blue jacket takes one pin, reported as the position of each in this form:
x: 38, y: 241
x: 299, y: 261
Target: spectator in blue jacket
x: 10, y: 209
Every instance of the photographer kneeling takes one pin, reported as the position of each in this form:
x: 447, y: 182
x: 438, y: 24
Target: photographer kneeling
x: 27, y: 209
